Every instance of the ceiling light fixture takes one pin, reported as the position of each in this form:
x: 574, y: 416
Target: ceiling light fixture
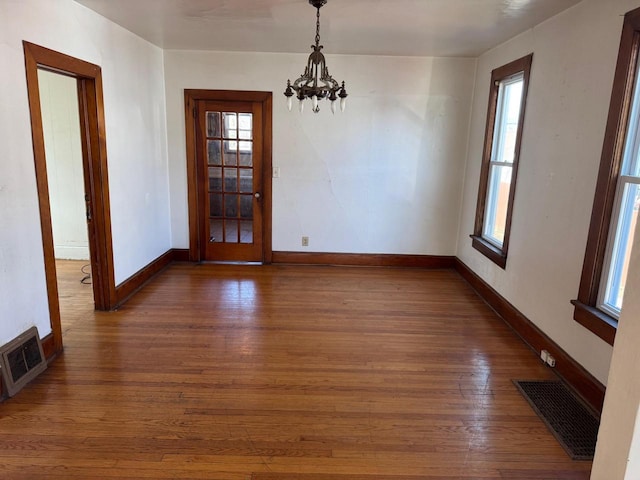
x: 316, y: 83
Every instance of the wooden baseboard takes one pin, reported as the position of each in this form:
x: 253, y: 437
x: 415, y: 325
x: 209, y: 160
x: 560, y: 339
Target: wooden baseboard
x: 180, y: 255
x: 363, y: 259
x: 49, y: 347
x: 135, y: 282
x: 585, y: 384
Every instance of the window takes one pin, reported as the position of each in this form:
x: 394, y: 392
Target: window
x: 505, y: 116
x: 617, y: 197
x: 625, y: 218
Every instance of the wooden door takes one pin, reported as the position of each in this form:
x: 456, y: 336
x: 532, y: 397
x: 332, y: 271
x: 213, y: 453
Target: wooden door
x: 229, y: 163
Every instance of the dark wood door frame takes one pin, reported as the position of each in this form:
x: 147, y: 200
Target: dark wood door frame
x: 94, y: 153
x: 191, y: 97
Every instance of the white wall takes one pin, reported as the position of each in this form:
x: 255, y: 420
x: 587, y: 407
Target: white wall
x: 136, y: 148
x: 571, y: 78
x: 61, y: 129
x: 384, y: 177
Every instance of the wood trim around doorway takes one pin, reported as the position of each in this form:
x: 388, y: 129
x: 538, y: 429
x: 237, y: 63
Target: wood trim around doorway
x: 89, y: 77
x: 190, y: 98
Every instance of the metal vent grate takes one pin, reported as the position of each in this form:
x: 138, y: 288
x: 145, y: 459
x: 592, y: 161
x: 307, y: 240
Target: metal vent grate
x: 570, y: 421
x: 21, y: 360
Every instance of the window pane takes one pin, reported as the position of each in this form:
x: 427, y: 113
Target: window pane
x: 507, y: 115
x: 231, y: 206
x: 213, y: 124
x: 630, y: 160
x: 246, y: 154
x: 231, y: 152
x: 632, y: 167
x: 246, y: 206
x: 246, y: 180
x: 215, y: 205
x: 215, y: 179
x: 215, y: 231
x: 621, y: 251
x: 497, y: 203
x: 214, y: 155
x: 230, y: 125
x: 246, y: 232
x: 231, y: 231
x: 231, y: 180
x: 245, y: 125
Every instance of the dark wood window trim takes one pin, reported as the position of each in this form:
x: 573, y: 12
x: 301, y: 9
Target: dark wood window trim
x: 495, y: 253
x: 586, y: 312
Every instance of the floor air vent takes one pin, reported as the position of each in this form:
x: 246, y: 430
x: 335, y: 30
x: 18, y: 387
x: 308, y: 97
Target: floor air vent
x: 22, y: 360
x: 571, y: 422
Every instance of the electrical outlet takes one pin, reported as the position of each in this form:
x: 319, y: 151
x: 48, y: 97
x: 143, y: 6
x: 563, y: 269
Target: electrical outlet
x: 551, y: 361
x: 305, y: 241
x: 544, y: 355
x: 276, y: 172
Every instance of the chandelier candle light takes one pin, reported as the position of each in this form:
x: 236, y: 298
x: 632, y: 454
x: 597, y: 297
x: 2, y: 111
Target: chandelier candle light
x: 316, y: 83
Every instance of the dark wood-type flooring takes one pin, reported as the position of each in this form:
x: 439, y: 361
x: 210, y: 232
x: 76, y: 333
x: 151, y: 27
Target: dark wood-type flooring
x: 284, y: 373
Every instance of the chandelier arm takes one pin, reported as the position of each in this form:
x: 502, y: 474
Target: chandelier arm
x: 329, y: 80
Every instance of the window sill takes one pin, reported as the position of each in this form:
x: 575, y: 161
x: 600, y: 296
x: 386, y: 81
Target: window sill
x: 493, y: 253
x: 596, y: 321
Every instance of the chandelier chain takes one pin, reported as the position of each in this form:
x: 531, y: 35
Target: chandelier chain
x: 318, y: 27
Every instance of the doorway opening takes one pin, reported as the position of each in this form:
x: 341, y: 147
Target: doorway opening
x: 60, y: 113
x: 40, y: 63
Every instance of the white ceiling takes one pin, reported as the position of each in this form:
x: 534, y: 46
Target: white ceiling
x: 369, y: 27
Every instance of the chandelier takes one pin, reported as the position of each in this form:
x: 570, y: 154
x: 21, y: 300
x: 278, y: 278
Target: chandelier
x: 316, y: 83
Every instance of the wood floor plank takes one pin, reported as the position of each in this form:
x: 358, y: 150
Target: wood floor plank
x: 283, y: 373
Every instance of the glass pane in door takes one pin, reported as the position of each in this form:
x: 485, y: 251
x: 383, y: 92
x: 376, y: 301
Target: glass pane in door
x: 246, y: 154
x: 231, y: 177
x: 214, y: 152
x: 246, y: 206
x: 230, y: 152
x: 215, y: 179
x: 245, y: 126
x: 231, y: 206
x: 230, y: 121
x: 246, y: 232
x: 213, y: 124
x: 215, y: 205
x: 246, y: 180
x: 231, y: 180
x: 215, y: 231
x: 231, y: 231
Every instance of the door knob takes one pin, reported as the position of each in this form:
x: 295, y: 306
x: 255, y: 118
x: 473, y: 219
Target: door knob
x: 257, y: 195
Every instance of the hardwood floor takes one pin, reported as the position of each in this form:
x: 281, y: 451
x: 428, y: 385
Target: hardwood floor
x: 286, y: 373
x: 75, y: 292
